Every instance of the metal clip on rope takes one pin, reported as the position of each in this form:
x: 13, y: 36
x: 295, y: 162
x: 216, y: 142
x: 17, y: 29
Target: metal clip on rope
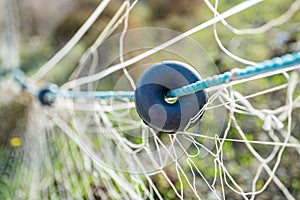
x: 177, y: 80
x: 165, y: 80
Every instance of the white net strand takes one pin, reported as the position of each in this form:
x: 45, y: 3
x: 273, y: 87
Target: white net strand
x: 108, y: 30
x: 295, y: 6
x: 239, y: 59
x: 99, y: 148
x: 72, y: 42
x: 9, y: 35
x: 70, y: 154
x: 240, y: 7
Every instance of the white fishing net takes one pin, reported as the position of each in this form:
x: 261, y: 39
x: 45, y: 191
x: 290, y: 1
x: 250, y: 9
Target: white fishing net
x: 246, y: 145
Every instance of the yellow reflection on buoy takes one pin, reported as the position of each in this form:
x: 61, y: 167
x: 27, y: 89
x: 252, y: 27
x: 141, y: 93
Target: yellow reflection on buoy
x: 15, y: 142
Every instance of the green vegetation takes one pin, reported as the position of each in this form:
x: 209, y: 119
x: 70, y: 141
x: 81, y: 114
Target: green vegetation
x: 37, y: 47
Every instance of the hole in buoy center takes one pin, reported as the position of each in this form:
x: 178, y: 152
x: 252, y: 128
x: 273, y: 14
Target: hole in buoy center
x: 171, y: 100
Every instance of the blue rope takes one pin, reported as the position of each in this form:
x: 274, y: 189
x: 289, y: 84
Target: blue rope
x: 96, y: 94
x: 19, y: 76
x: 282, y: 62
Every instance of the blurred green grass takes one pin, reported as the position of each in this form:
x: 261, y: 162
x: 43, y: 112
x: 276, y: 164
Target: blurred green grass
x: 178, y: 15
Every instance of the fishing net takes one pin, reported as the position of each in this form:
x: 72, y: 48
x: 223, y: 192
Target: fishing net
x: 90, y: 142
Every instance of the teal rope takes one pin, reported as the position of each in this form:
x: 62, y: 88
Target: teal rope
x: 282, y: 62
x: 96, y: 94
x: 20, y: 78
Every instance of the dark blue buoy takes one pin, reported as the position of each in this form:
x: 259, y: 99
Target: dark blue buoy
x: 47, y: 94
x: 156, y: 110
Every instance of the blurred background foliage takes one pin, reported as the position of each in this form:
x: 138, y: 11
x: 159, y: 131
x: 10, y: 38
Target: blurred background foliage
x: 45, y: 30
x: 47, y: 25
